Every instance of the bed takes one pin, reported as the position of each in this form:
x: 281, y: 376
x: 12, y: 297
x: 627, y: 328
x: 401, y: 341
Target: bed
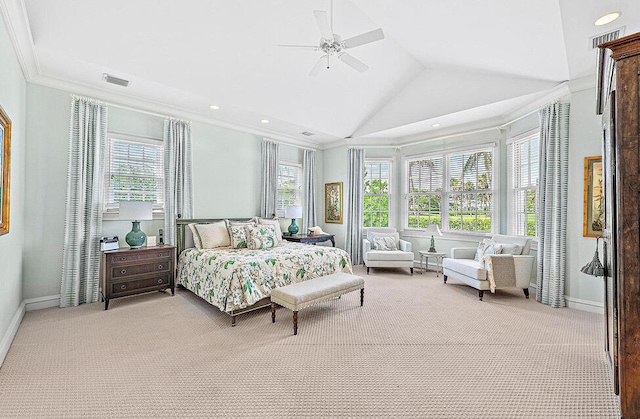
x: 240, y: 280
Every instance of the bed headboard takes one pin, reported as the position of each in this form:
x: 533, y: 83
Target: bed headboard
x: 184, y: 237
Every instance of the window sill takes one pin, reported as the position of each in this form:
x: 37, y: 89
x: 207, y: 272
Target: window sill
x: 115, y: 216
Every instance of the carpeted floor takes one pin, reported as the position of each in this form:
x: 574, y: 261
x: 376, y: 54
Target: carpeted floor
x: 418, y: 348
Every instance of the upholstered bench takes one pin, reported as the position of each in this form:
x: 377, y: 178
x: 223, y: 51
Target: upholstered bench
x: 306, y: 293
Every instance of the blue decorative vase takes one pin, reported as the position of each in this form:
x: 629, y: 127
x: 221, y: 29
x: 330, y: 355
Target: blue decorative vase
x: 136, y: 237
x: 293, y: 228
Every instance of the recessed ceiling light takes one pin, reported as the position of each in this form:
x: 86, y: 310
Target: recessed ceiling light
x: 264, y: 121
x: 214, y: 106
x: 436, y: 125
x: 608, y: 18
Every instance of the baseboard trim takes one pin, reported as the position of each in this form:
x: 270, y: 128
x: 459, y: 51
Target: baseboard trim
x: 42, y: 302
x: 584, y: 305
x: 7, y: 339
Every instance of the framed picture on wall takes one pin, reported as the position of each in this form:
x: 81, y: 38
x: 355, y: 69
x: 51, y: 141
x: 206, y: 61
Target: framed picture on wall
x: 593, y: 220
x: 5, y: 148
x: 333, y: 202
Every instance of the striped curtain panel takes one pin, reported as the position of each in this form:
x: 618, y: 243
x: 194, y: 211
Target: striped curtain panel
x: 552, y: 222
x: 83, y: 218
x: 178, y: 175
x: 355, y: 204
x: 269, y: 192
x: 308, y: 189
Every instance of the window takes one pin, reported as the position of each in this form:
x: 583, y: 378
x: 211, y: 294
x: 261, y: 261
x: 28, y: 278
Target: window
x: 289, y: 180
x: 453, y: 190
x: 377, y: 180
x: 134, y: 171
x: 523, y: 184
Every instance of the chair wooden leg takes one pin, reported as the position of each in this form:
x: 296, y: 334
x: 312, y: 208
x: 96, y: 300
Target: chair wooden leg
x: 367, y: 270
x: 480, y: 294
x: 411, y: 271
x: 526, y: 292
x: 445, y: 278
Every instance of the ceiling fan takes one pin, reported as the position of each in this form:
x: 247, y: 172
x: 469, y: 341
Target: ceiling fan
x: 332, y: 44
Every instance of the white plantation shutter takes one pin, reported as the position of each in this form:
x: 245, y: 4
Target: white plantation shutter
x: 134, y: 172
x: 470, y: 186
x: 289, y: 187
x: 425, y: 182
x: 523, y: 184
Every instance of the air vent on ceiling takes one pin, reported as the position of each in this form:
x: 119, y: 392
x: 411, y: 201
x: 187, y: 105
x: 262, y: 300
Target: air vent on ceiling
x: 307, y: 133
x: 115, y: 80
x: 594, y: 41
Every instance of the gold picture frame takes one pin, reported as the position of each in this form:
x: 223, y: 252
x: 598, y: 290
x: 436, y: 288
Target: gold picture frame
x: 333, y: 202
x: 593, y: 221
x: 5, y: 170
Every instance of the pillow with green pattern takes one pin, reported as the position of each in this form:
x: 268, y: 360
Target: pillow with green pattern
x: 262, y: 236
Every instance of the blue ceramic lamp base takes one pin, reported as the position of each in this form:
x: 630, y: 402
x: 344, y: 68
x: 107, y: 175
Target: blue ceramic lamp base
x: 293, y: 228
x: 136, y: 237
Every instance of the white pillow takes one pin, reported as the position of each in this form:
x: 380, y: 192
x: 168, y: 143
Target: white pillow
x: 274, y: 222
x: 375, y: 234
x: 487, y: 247
x: 511, y: 249
x: 384, y: 243
x: 210, y: 236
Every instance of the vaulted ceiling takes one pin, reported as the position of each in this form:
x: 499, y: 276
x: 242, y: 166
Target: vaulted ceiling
x: 458, y: 63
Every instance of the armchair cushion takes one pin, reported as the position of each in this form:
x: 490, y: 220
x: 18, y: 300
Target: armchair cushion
x: 467, y: 267
x: 389, y: 255
x: 372, y: 235
x: 384, y: 243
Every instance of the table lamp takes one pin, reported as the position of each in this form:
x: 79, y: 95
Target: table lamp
x: 434, y: 230
x: 135, y: 212
x: 293, y: 212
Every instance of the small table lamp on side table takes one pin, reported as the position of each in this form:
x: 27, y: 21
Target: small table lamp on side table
x: 135, y: 212
x: 293, y: 212
x: 433, y: 230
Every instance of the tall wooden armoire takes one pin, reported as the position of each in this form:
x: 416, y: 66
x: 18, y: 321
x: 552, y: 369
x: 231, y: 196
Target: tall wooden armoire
x: 619, y: 104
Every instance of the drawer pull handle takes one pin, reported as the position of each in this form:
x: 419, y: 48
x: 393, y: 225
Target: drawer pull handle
x: 160, y: 266
x: 123, y: 258
x: 123, y: 287
x: 124, y: 271
x: 160, y: 281
x: 160, y: 255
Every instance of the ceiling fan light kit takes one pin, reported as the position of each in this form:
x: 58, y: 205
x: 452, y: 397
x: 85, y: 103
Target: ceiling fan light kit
x: 332, y: 45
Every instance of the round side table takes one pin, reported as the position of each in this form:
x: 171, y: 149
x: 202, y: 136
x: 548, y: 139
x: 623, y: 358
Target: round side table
x: 425, y: 255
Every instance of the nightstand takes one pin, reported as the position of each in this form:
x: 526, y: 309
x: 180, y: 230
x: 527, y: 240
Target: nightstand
x: 133, y: 271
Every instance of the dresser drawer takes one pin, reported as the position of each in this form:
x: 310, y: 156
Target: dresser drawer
x: 141, y: 268
x: 137, y: 285
x: 125, y: 257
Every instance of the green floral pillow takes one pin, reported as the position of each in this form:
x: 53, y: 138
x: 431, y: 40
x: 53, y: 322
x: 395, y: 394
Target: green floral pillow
x: 263, y: 236
x: 238, y: 236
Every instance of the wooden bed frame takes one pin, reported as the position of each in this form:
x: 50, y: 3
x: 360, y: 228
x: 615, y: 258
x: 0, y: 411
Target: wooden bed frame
x: 185, y: 241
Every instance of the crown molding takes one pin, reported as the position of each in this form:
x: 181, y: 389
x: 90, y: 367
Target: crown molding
x: 15, y: 18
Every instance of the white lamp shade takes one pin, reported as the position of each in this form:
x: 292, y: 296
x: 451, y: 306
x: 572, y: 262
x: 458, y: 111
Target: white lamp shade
x: 135, y: 211
x: 293, y: 211
x: 433, y: 230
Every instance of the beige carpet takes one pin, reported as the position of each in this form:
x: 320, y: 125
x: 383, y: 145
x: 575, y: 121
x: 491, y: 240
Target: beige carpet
x: 418, y: 348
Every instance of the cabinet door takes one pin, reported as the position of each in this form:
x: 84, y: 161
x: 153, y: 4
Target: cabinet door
x: 609, y: 236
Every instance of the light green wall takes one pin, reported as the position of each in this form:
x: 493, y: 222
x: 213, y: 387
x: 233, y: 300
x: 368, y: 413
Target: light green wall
x: 335, y: 170
x: 13, y: 99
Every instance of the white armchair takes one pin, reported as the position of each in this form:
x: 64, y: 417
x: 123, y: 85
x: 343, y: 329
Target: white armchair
x: 400, y: 258
x: 462, y: 266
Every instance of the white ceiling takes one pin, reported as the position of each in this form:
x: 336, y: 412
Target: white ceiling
x: 461, y: 63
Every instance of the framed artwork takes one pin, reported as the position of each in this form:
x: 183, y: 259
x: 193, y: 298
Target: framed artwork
x: 333, y: 202
x: 593, y: 221
x: 5, y: 155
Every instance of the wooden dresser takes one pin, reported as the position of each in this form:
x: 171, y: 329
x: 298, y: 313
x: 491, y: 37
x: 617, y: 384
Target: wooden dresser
x: 134, y: 271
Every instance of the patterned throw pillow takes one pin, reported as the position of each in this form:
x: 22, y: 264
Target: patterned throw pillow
x: 263, y: 236
x: 384, y: 243
x: 511, y: 249
x: 238, y: 236
x: 274, y: 222
x: 487, y: 247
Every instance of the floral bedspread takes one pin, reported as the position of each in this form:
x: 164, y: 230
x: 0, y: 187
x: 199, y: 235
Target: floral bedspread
x: 232, y: 279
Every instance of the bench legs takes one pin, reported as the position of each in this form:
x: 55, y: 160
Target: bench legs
x: 361, y: 296
x: 273, y: 312
x: 295, y: 322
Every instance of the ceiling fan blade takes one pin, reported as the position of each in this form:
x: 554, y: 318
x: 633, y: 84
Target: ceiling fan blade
x: 310, y: 47
x: 323, y: 24
x: 353, y: 62
x: 364, y: 38
x: 316, y: 68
